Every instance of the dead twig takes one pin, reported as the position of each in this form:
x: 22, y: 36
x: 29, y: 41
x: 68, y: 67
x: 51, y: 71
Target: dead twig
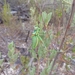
x: 27, y: 36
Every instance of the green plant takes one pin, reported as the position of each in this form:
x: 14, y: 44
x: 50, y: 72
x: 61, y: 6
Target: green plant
x: 69, y: 2
x: 42, y: 37
x: 46, y: 17
x: 6, y: 13
x: 11, y: 53
x: 24, y: 61
x: 41, y: 40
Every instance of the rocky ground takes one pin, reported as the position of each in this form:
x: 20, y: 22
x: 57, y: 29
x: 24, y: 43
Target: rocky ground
x: 21, y: 36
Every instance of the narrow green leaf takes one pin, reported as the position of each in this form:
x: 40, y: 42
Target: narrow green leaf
x: 50, y: 66
x: 52, y: 54
x: 1, y: 61
x: 48, y: 18
x: 34, y: 42
x: 44, y: 15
